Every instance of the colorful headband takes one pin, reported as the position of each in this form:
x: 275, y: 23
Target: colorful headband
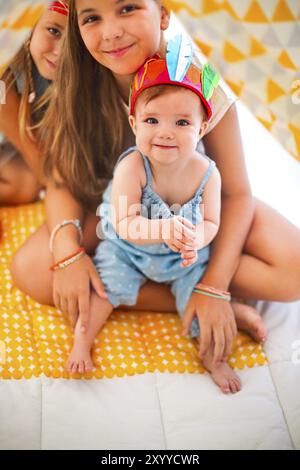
x: 177, y: 70
x: 59, y: 7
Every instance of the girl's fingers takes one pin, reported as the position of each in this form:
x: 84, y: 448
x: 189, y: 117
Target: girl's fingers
x: 219, y: 339
x: 229, y: 337
x: 205, y: 342
x: 56, y: 300
x: 64, y: 305
x: 187, y: 321
x: 97, y: 284
x: 73, y: 311
x: 84, y: 307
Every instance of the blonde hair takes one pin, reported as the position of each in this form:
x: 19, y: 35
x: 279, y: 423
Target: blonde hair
x: 83, y: 131
x: 21, y: 66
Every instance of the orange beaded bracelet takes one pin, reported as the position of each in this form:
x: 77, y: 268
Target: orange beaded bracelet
x: 68, y: 260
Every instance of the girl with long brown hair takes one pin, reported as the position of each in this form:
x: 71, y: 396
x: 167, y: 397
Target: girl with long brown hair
x: 27, y: 79
x: 86, y: 128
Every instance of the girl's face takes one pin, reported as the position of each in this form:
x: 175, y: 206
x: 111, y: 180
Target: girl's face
x: 168, y: 128
x: 122, y: 34
x: 46, y: 43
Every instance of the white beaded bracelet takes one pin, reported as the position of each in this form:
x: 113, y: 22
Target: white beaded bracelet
x: 75, y: 222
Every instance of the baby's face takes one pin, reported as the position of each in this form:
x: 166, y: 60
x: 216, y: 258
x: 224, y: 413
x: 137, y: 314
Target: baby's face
x: 169, y: 127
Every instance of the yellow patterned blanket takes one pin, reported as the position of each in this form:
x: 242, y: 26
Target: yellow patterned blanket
x: 36, y: 339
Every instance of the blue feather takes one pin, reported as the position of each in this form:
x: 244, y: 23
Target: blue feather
x: 179, y: 57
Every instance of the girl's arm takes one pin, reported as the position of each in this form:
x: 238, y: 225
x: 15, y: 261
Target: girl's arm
x: 211, y: 211
x: 71, y: 285
x: 216, y: 317
x: 9, y: 126
x: 223, y: 144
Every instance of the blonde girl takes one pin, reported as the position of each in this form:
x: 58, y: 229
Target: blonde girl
x: 27, y: 79
x: 255, y: 254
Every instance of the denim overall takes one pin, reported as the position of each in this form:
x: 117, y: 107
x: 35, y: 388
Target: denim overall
x: 124, y: 266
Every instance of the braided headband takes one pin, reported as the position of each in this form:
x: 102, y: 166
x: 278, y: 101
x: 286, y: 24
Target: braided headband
x: 59, y: 7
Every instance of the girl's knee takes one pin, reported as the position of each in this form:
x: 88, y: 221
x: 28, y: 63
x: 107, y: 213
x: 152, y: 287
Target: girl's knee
x: 18, y: 184
x: 20, y: 268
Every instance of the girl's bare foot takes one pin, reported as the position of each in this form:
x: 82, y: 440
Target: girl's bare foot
x: 80, y: 360
x: 224, y: 377
x: 249, y: 321
x: 222, y: 374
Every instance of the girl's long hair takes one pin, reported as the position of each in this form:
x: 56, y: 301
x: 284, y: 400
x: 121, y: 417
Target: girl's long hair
x: 83, y: 130
x: 21, y: 66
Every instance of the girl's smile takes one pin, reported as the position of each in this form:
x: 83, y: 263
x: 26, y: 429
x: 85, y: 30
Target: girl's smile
x: 119, y: 52
x: 130, y: 31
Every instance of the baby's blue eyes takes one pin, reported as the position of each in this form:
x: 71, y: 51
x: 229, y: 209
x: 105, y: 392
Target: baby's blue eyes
x: 186, y: 123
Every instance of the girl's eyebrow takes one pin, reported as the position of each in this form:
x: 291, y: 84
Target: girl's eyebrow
x: 56, y: 25
x: 91, y: 10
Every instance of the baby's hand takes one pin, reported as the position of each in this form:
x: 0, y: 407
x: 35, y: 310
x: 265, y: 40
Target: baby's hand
x: 178, y: 233
x: 189, y: 257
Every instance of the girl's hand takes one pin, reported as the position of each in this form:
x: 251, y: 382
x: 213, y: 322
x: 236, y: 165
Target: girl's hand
x: 178, y: 233
x: 217, y: 324
x: 71, y: 290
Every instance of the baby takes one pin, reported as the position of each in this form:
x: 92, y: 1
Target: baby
x: 161, y: 211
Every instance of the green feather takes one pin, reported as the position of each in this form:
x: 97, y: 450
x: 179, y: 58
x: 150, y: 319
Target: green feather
x: 210, y: 79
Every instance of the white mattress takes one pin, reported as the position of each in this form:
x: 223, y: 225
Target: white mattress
x: 163, y: 411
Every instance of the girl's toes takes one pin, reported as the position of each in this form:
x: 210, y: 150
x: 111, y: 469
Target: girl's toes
x: 237, y: 384
x: 81, y: 367
x: 88, y: 366
x: 225, y: 387
x: 74, y: 367
x: 233, y: 386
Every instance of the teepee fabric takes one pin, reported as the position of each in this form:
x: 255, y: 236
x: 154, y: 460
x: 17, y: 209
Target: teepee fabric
x: 255, y: 46
x: 16, y: 20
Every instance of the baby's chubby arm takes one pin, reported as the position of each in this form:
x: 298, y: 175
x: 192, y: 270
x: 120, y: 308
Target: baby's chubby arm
x: 128, y: 182
x: 210, y: 208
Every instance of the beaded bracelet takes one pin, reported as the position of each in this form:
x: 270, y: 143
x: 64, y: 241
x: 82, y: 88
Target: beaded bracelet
x: 68, y: 260
x: 210, y: 294
x: 75, y: 222
x: 211, y: 289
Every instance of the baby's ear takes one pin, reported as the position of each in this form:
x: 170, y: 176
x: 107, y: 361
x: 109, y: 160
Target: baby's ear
x: 132, y: 122
x: 203, y: 129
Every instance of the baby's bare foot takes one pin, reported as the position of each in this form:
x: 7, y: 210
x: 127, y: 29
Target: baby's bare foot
x: 80, y: 360
x: 250, y: 321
